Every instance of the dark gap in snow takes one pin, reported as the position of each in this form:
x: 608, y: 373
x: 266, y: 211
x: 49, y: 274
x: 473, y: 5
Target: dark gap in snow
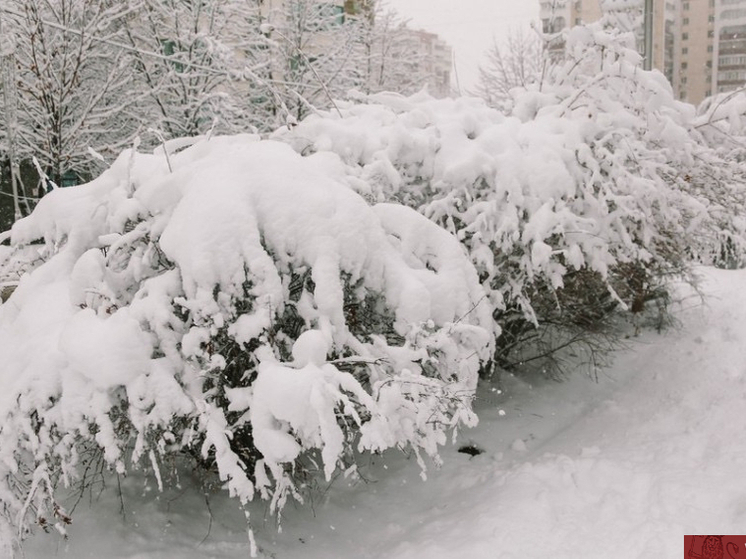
x: 471, y: 450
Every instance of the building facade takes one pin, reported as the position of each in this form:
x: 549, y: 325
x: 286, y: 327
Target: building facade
x: 694, y: 78
x: 430, y: 55
x: 729, y: 48
x: 627, y: 15
x: 699, y: 45
x: 435, y: 57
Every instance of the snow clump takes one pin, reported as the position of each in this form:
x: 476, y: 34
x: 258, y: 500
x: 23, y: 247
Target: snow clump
x: 589, y: 196
x: 245, y: 308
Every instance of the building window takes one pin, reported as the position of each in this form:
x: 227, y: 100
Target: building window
x: 686, y: 5
x: 685, y: 36
x: 684, y: 65
x: 686, y: 21
x: 733, y: 14
x: 169, y: 48
x: 685, y: 50
x: 732, y: 60
x: 709, y: 48
x: 711, y: 33
x: 735, y: 76
x: 329, y: 14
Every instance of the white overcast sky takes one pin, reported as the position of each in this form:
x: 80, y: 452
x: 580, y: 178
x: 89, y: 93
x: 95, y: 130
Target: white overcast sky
x: 468, y: 25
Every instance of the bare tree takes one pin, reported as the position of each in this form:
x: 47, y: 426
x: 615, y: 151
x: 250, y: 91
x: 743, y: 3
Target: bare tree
x: 392, y: 60
x: 96, y: 73
x: 184, y: 54
x: 314, y: 55
x: 70, y: 83
x: 240, y: 64
x: 517, y: 63
x: 9, y: 117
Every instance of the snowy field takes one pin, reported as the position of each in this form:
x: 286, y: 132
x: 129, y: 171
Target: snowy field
x: 621, y: 468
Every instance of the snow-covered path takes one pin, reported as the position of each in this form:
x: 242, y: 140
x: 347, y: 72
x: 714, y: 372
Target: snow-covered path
x: 622, y: 468
x: 661, y: 457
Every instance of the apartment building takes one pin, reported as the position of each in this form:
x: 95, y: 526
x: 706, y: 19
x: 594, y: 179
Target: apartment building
x: 627, y: 15
x: 700, y: 45
x: 694, y: 78
x: 431, y: 56
x: 435, y: 57
x: 729, y: 48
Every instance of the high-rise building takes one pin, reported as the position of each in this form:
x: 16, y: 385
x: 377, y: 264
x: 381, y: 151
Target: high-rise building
x: 430, y: 55
x: 700, y: 45
x: 627, y: 15
x: 694, y: 78
x: 435, y: 56
x: 729, y: 48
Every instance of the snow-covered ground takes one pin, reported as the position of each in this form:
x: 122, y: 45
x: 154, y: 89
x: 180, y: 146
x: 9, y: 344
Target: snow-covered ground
x: 619, y: 468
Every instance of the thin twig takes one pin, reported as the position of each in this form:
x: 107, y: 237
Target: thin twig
x: 209, y: 525
x: 313, y: 70
x: 122, y: 510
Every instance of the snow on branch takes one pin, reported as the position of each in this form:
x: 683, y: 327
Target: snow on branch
x: 597, y: 175
x: 246, y: 308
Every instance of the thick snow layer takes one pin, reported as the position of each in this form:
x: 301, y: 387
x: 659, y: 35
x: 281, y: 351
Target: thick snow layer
x: 595, y: 167
x: 141, y: 291
x: 619, y: 469
x: 532, y: 195
x: 106, y: 351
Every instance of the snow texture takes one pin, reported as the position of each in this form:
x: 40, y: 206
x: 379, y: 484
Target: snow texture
x: 247, y: 291
x: 596, y: 167
x: 619, y: 469
x: 273, y: 306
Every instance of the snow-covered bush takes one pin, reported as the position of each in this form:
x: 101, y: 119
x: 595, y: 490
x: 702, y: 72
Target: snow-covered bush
x: 721, y: 122
x: 593, y: 180
x: 235, y: 302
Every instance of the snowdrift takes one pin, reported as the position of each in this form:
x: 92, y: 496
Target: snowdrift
x: 237, y: 303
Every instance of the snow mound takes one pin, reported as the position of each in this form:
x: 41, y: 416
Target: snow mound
x: 237, y: 302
